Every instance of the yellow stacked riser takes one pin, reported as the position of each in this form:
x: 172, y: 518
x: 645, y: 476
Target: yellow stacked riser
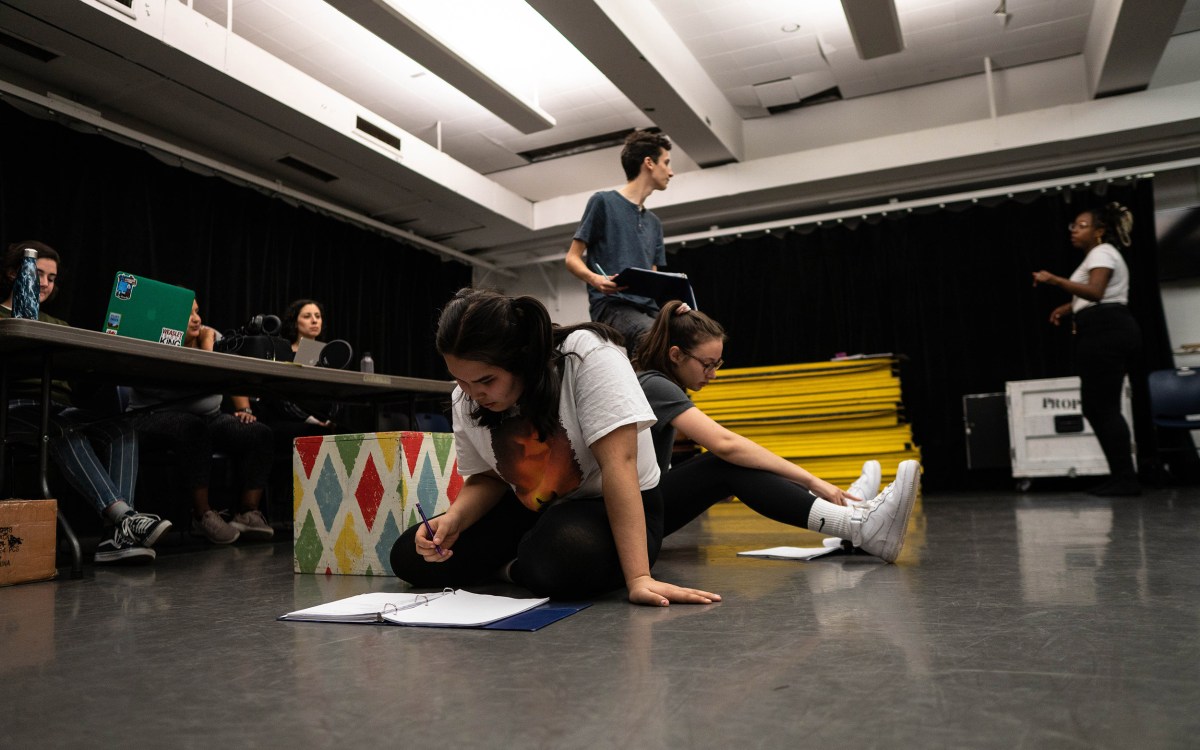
x: 828, y: 417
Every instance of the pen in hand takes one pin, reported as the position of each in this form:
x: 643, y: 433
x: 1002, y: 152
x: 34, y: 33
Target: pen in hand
x: 428, y: 528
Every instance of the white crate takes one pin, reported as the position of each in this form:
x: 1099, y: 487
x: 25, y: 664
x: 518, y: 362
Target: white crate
x: 1038, y: 413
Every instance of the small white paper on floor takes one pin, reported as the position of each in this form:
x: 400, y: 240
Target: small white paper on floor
x: 829, y: 544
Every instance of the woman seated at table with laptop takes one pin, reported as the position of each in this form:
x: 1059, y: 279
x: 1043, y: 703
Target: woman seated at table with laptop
x: 195, y: 426
x: 302, y: 321
x: 98, y: 457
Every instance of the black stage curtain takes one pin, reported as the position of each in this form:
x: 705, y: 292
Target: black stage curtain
x: 108, y: 207
x: 949, y: 290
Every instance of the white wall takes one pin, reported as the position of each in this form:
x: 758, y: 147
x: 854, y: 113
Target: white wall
x: 562, y: 294
x: 1175, y: 192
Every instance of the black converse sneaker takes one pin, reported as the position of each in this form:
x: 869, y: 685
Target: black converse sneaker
x: 131, y: 539
x: 144, y: 528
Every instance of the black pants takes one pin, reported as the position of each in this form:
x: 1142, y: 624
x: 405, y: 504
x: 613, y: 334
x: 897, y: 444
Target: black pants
x: 1107, y: 339
x: 695, y: 485
x: 194, y: 438
x: 566, y: 551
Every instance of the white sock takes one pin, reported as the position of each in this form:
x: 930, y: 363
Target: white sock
x: 827, y: 518
x: 117, y: 511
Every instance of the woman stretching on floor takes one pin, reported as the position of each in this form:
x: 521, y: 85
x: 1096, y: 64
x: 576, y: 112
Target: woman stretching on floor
x: 682, y: 350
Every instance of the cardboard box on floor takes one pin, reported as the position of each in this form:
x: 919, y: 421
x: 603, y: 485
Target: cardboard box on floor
x: 353, y: 495
x: 27, y: 540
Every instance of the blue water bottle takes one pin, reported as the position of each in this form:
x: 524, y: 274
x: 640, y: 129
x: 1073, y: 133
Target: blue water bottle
x: 26, y: 287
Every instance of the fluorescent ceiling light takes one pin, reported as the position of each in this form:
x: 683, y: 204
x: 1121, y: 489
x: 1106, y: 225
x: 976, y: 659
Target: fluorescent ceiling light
x: 497, y: 52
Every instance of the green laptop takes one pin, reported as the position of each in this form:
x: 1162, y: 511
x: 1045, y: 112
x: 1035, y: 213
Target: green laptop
x: 150, y: 310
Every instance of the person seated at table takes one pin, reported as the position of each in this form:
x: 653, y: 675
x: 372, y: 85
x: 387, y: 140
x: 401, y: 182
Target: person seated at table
x: 303, y: 319
x: 194, y: 427
x: 98, y: 457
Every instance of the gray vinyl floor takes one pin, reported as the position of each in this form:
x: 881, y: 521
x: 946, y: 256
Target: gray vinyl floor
x: 1012, y: 621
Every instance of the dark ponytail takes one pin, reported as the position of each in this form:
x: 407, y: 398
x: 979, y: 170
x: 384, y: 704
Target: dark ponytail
x: 1116, y: 221
x: 516, y: 335
x: 686, y: 330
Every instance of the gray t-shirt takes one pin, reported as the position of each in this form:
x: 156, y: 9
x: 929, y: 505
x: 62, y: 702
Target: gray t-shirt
x: 668, y: 401
x: 202, y: 405
x: 620, y: 235
x: 599, y: 394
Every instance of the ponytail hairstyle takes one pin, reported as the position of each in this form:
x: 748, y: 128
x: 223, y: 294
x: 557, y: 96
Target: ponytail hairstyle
x: 516, y: 335
x: 672, y: 327
x: 1116, y: 221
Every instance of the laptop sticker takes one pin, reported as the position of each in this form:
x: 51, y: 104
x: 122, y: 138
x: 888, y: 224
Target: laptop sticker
x: 171, y: 336
x: 125, y: 284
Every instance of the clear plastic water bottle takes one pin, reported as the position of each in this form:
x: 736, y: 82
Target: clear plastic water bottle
x: 26, y: 287
x: 366, y: 364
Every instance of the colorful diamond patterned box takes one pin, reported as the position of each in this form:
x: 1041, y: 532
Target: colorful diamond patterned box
x: 354, y: 494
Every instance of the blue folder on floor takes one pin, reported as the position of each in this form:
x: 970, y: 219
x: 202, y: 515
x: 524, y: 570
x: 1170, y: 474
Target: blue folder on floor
x: 538, y: 617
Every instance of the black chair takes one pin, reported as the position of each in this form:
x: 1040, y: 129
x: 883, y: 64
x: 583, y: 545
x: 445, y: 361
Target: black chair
x: 432, y: 422
x: 1175, y: 405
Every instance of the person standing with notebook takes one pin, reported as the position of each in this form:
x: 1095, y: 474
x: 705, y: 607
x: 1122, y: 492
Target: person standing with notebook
x: 618, y: 232
x: 98, y: 457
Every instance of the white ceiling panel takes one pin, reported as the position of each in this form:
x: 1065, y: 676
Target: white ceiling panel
x: 735, y: 58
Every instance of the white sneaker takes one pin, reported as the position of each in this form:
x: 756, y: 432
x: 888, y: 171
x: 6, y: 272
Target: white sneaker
x: 878, y: 526
x: 253, y: 525
x: 214, y: 528
x: 866, y: 486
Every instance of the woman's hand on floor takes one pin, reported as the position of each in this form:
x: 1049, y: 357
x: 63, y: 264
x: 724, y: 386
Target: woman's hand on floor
x: 646, y: 590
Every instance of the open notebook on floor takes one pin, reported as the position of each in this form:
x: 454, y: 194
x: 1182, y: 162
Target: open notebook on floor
x: 448, y: 609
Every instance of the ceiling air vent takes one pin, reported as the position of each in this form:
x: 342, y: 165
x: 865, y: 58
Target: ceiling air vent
x: 308, y: 169
x: 25, y: 48
x: 828, y: 95
x: 377, y: 133
x: 125, y: 6
x: 581, y: 146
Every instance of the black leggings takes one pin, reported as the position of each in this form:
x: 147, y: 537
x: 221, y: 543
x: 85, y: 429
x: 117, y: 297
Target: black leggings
x: 194, y: 438
x: 1107, y: 339
x: 566, y: 551
x: 695, y: 485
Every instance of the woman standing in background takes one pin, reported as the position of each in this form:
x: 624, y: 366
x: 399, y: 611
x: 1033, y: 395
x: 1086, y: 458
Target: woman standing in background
x: 1107, y: 337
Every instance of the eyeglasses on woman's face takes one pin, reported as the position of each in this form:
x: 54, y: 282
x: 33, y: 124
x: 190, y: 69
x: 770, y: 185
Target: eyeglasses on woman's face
x: 1078, y: 225
x: 709, y: 365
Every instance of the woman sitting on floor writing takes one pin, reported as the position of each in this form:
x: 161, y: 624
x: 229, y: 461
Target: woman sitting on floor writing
x: 550, y: 428
x: 682, y: 350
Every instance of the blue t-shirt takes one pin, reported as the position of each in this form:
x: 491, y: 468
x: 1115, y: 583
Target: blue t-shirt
x: 620, y: 235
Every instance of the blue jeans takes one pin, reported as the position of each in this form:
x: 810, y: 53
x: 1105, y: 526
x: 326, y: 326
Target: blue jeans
x: 630, y: 320
x: 100, y: 461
